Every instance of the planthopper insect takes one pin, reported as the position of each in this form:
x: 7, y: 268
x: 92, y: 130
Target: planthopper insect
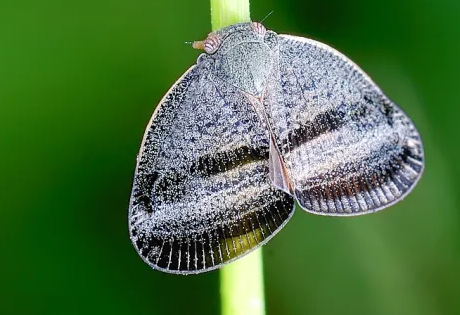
x: 260, y: 121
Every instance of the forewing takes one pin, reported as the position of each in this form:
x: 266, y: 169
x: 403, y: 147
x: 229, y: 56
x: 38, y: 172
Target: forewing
x: 347, y: 148
x: 202, y: 194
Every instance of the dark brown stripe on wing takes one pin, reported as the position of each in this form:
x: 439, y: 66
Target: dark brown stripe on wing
x: 208, y: 165
x: 326, y: 122
x: 152, y: 186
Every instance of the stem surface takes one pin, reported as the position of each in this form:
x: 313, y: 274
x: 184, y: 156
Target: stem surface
x: 242, y: 286
x: 228, y: 12
x: 242, y: 281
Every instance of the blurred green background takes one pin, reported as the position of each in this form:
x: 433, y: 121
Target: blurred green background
x: 78, y: 83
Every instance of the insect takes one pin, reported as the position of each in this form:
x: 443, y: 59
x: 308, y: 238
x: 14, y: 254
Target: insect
x: 260, y: 121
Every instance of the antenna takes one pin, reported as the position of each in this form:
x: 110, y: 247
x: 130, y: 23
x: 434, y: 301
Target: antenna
x: 266, y: 17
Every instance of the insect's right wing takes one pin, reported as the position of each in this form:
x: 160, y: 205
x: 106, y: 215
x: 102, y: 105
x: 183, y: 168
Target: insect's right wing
x: 202, y: 194
x: 347, y: 149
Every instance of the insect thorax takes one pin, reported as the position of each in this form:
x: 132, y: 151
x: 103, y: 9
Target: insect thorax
x: 244, y: 58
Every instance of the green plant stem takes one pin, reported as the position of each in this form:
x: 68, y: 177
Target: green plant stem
x: 242, y: 281
x: 228, y: 12
x: 242, y: 286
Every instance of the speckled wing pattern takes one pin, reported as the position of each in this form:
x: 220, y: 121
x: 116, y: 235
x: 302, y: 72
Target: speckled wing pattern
x: 202, y: 194
x: 347, y: 148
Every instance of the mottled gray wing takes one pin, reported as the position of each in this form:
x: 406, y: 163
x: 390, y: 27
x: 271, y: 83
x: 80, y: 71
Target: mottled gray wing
x: 346, y: 147
x: 202, y: 195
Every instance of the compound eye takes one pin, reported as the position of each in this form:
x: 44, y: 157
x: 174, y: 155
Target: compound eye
x: 258, y: 28
x: 211, y: 44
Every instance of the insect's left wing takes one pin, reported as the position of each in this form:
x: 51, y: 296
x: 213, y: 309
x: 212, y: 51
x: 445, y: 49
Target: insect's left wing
x: 202, y: 194
x: 346, y: 148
